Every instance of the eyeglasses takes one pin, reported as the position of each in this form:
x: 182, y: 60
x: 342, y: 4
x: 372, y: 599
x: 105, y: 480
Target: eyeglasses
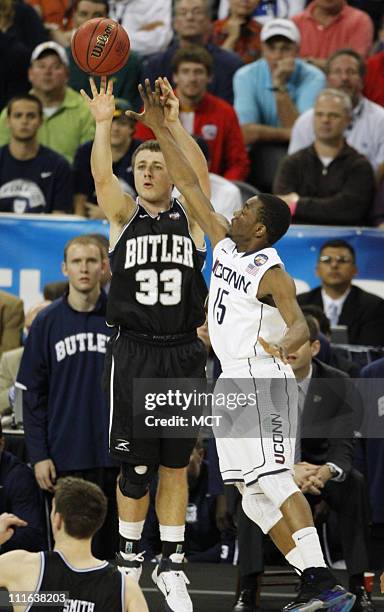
x: 340, y: 259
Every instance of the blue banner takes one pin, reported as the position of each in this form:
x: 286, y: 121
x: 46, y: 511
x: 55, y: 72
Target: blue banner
x: 32, y: 252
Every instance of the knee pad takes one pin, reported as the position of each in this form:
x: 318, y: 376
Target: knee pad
x: 278, y: 487
x: 134, y: 480
x: 260, y: 509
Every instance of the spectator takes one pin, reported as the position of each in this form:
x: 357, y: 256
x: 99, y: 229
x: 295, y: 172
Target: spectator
x: 148, y: 22
x: 56, y: 15
x: 206, y: 115
x: 79, y: 12
x: 10, y: 362
x: 125, y: 81
x: 374, y: 78
x: 343, y: 302
x: 266, y: 9
x: 203, y: 540
x: 239, y: 32
x: 123, y: 145
x: 345, y: 71
x: 63, y: 403
x: 328, y: 25
x: 271, y: 92
x: 327, y: 183
x: 192, y: 26
x: 78, y: 511
x: 33, y: 178
x: 20, y: 495
x: 53, y: 291
x: 20, y: 31
x: 106, y: 275
x: 67, y: 122
x: 327, y: 404
x: 370, y: 446
x: 11, y: 321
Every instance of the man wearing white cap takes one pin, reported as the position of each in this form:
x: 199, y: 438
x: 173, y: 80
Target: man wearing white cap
x: 67, y: 122
x: 273, y: 91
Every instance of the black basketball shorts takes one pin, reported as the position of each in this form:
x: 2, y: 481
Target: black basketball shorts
x: 128, y: 359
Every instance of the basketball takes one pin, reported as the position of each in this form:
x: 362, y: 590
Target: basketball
x: 100, y: 46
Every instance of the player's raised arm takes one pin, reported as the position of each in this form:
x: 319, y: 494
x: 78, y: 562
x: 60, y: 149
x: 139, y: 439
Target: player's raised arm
x: 179, y: 168
x: 117, y: 206
x: 278, y: 284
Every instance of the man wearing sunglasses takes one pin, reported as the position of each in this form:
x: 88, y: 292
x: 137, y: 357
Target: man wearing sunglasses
x: 343, y: 302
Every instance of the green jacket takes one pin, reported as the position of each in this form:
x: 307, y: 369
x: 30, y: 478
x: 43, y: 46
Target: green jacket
x: 70, y: 126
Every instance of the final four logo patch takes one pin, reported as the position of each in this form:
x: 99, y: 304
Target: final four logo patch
x: 260, y: 259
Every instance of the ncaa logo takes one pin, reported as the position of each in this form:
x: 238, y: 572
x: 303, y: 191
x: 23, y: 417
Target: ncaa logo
x: 260, y: 259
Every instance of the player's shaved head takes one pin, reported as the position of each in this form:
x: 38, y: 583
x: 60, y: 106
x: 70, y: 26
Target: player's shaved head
x: 274, y: 214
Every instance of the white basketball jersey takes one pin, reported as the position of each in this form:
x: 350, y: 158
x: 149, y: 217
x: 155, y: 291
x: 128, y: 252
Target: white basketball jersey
x: 236, y: 318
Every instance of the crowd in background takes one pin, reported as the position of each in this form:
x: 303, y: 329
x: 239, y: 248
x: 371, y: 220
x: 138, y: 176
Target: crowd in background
x: 287, y: 96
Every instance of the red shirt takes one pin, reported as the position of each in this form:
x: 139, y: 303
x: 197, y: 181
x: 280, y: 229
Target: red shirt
x: 374, y: 78
x: 350, y: 28
x: 248, y: 44
x: 216, y: 121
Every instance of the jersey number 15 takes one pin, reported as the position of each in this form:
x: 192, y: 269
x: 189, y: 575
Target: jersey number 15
x: 219, y: 307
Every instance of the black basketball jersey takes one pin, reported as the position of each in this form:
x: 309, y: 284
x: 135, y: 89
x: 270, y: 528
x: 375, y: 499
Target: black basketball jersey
x: 157, y: 286
x: 90, y: 590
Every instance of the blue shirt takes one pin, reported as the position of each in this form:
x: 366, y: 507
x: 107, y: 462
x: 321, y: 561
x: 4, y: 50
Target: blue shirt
x: 255, y: 101
x: 65, y: 411
x: 38, y: 185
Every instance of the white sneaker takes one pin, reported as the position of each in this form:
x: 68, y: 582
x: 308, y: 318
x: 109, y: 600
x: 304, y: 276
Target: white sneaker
x: 172, y: 581
x: 132, y: 567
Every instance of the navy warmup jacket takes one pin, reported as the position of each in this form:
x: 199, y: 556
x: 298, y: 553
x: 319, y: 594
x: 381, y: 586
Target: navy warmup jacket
x: 66, y: 416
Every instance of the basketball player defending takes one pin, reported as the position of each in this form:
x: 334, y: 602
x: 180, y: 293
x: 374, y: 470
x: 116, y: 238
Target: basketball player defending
x: 251, y: 293
x: 78, y: 511
x: 156, y: 302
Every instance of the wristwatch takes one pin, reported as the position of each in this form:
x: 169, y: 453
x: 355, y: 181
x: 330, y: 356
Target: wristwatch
x: 279, y: 88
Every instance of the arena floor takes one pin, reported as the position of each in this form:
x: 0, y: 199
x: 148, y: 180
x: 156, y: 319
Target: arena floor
x: 212, y: 589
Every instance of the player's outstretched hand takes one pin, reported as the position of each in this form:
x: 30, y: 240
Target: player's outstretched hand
x: 7, y: 524
x: 153, y: 115
x: 169, y: 101
x: 102, y: 103
x: 382, y: 583
x: 276, y: 350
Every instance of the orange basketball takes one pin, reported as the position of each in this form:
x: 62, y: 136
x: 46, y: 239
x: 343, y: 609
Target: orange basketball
x: 100, y: 46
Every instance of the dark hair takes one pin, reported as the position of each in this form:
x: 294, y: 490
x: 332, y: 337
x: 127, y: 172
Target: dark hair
x: 84, y: 239
x: 148, y: 145
x: 275, y: 215
x: 338, y: 243
x: 105, y: 2
x: 319, y: 315
x: 29, y: 98
x: 195, y: 54
x: 313, y: 327
x: 351, y: 53
x: 82, y: 505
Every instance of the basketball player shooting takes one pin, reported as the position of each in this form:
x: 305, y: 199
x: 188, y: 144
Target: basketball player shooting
x: 251, y: 293
x: 156, y: 303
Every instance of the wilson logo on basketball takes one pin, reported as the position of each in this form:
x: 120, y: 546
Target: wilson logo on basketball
x: 102, y: 41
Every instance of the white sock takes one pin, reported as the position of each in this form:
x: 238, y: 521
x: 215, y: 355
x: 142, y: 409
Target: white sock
x: 130, y: 531
x: 172, y: 533
x: 308, y: 544
x: 295, y: 559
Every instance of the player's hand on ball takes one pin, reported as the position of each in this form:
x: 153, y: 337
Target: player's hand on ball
x: 102, y: 103
x: 276, y: 350
x: 153, y: 115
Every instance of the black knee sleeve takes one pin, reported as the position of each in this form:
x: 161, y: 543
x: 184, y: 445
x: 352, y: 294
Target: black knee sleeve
x: 134, y: 480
